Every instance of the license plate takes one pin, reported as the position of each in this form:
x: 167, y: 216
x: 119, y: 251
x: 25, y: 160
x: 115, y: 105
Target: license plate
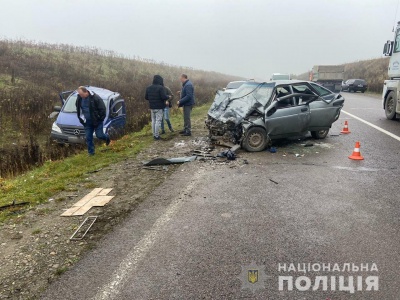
x: 360, y: 85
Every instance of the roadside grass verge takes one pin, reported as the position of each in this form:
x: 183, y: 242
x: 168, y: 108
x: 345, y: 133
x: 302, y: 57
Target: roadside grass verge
x: 40, y: 184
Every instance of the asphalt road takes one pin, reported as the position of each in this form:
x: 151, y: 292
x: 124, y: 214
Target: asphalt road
x: 199, y: 235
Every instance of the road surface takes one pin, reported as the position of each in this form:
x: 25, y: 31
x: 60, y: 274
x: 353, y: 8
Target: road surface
x: 245, y: 231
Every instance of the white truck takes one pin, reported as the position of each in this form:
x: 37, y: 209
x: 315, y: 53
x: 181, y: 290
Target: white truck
x: 391, y: 87
x: 279, y: 76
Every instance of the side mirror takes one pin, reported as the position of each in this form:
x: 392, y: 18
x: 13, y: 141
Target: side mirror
x: 388, y: 48
x: 57, y: 108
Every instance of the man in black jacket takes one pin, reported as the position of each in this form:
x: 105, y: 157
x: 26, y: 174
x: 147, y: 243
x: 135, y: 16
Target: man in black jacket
x: 157, y: 97
x: 91, y: 113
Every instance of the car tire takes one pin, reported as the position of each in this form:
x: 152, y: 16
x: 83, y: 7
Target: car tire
x: 320, y: 134
x: 390, y: 106
x: 255, y: 140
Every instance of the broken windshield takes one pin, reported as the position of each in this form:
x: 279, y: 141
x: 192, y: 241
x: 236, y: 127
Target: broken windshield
x: 245, y: 100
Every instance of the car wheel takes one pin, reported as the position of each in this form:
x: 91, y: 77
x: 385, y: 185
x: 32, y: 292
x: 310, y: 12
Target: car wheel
x: 320, y: 134
x: 390, y: 106
x: 255, y: 140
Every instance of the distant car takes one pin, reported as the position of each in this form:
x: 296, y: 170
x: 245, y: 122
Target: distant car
x: 233, y: 86
x: 355, y: 85
x: 68, y: 129
x: 258, y: 113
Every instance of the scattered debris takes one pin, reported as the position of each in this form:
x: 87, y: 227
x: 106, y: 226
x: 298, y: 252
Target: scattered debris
x: 95, y: 171
x: 13, y: 204
x: 169, y: 161
x: 155, y: 168
x: 273, y: 181
x: 229, y: 154
x: 272, y: 149
x: 308, y: 145
x: 97, y: 197
x: 90, y: 221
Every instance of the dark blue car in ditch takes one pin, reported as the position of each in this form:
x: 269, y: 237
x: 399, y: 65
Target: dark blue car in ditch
x: 68, y: 129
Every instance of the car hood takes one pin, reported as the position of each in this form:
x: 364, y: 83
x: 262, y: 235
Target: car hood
x: 235, y: 107
x: 68, y: 119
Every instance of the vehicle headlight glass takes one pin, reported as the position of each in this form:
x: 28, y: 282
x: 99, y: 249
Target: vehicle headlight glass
x: 55, y: 128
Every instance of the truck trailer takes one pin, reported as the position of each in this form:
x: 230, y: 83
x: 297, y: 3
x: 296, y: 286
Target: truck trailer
x: 330, y: 77
x: 391, y: 87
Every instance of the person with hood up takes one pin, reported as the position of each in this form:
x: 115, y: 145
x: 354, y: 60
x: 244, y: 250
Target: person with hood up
x: 91, y: 112
x: 157, y: 97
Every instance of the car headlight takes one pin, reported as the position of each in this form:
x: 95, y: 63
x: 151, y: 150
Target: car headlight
x: 55, y: 128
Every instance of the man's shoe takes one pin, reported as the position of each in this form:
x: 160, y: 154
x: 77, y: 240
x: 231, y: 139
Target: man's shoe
x: 163, y: 132
x: 157, y: 138
x: 182, y: 132
x: 187, y: 134
x: 108, y: 141
x: 171, y: 130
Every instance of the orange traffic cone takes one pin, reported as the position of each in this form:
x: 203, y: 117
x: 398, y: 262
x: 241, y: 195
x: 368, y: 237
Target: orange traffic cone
x: 356, y: 153
x: 345, y: 128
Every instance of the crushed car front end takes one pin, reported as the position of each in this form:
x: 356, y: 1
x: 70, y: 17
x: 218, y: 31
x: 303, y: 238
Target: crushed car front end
x: 230, y: 115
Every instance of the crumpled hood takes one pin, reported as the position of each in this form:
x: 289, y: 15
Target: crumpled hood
x: 235, y: 107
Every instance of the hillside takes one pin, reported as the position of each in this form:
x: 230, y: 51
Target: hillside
x: 32, y: 75
x: 374, y: 71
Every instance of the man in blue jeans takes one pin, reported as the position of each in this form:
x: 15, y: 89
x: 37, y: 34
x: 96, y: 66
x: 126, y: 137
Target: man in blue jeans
x: 187, y: 101
x: 91, y: 112
x: 167, y: 108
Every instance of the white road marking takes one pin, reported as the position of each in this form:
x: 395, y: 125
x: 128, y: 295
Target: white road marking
x: 373, y: 126
x: 131, y: 261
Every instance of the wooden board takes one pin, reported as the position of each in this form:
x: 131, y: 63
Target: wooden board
x: 97, y: 197
x: 88, y: 197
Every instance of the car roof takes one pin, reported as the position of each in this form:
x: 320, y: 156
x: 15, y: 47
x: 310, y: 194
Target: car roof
x: 282, y: 82
x: 103, y: 93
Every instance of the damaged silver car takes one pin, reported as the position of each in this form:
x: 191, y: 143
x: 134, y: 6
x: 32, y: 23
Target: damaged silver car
x: 258, y: 113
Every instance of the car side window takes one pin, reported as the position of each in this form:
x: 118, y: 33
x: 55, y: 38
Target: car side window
x: 321, y: 90
x: 283, y: 91
x: 301, y: 89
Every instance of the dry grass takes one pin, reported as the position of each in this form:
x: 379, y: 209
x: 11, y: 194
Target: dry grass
x: 32, y: 74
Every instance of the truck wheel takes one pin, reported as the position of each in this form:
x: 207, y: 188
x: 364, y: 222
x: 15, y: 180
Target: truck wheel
x: 390, y: 106
x: 320, y: 134
x: 255, y: 140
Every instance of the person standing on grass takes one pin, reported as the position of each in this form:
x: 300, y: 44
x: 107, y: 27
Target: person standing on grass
x: 91, y: 112
x: 157, y: 97
x: 186, y: 101
x: 166, y: 111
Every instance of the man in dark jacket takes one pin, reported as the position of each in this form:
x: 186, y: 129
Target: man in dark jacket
x: 91, y: 113
x: 187, y: 101
x: 157, y: 97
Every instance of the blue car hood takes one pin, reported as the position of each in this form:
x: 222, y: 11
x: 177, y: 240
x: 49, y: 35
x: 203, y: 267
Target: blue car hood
x: 68, y: 119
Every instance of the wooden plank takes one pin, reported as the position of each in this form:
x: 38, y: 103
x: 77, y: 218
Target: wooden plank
x: 69, y: 212
x: 82, y: 210
x: 104, y: 192
x: 101, y: 200
x: 88, y: 197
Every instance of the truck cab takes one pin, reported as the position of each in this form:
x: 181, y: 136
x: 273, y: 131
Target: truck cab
x: 68, y: 129
x: 391, y: 87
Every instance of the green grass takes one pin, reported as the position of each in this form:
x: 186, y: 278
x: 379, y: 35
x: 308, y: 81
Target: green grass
x: 40, y: 184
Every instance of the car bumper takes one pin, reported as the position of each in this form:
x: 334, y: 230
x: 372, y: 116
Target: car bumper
x: 62, y: 138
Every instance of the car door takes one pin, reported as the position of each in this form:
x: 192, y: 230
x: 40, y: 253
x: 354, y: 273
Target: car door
x: 326, y: 109
x: 116, y: 117
x: 284, y: 117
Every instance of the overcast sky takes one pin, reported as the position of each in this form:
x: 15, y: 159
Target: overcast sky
x: 249, y: 38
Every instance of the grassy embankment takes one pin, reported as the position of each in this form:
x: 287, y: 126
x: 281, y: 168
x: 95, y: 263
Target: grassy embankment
x: 374, y: 71
x: 38, y: 185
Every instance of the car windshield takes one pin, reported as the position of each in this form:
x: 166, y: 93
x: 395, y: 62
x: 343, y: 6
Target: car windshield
x: 70, y: 105
x: 234, y: 84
